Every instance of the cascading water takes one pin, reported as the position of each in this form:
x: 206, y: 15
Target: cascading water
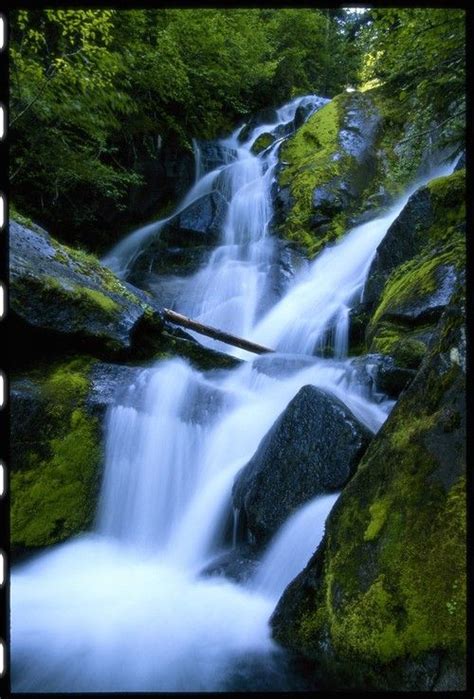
x: 123, y: 608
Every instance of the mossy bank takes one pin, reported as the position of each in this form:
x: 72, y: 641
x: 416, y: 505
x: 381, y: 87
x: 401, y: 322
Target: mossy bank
x: 56, y: 455
x: 381, y: 605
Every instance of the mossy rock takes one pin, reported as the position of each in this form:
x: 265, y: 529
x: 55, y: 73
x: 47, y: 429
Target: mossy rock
x: 382, y: 603
x: 432, y: 217
x: 56, y: 461
x: 415, y: 270
x: 174, y: 342
x: 65, y: 295
x: 407, y: 139
x: 326, y: 166
x: 262, y: 143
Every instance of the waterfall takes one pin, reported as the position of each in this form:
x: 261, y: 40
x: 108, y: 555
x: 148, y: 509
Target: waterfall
x: 123, y: 607
x: 197, y: 161
x: 292, y: 548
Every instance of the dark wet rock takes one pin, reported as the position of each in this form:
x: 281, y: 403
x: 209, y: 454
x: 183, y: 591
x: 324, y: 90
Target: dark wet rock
x: 64, y: 294
x: 279, y: 366
x: 176, y: 342
x: 313, y: 447
x: 359, y: 318
x: 108, y: 385
x: 283, y: 202
x: 27, y: 405
x: 381, y: 604
x: 214, y: 155
x: 288, y: 260
x: 381, y: 374
x: 428, y: 306
x: 239, y: 564
x: 405, y: 239
x: 199, y: 224
x: 266, y: 672
x: 331, y: 197
x: 360, y: 125
x: 301, y: 114
x: 264, y: 116
x: 184, y: 243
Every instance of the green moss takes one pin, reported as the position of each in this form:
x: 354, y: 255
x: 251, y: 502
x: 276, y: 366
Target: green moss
x: 54, y: 494
x: 390, y: 582
x: 88, y: 265
x: 262, y: 142
x: 378, y: 641
x: 400, y: 342
x: 378, y: 513
x: 97, y: 298
x: 408, y: 352
x: 67, y: 386
x: 308, y: 158
x: 416, y: 278
x: 406, y: 433
x: 448, y: 200
x: 201, y: 357
x: 445, y: 246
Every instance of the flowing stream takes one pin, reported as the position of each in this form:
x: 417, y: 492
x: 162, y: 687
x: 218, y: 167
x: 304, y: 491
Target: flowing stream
x: 125, y: 607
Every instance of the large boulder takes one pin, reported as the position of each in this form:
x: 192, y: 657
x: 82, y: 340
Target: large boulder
x: 213, y: 154
x: 413, y: 274
x: 382, y: 603
x: 66, y: 296
x: 326, y: 168
x: 314, y: 447
x: 183, y: 243
x: 418, y: 225
x: 404, y: 239
x: 199, y: 224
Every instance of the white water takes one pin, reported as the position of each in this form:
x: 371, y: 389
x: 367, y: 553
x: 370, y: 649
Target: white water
x: 123, y: 608
x: 293, y: 546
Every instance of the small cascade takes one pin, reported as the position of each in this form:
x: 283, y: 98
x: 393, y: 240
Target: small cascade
x: 197, y: 161
x: 150, y: 466
x: 235, y: 526
x: 292, y: 547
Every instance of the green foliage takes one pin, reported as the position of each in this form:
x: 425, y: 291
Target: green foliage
x: 92, y: 89
x: 418, y: 56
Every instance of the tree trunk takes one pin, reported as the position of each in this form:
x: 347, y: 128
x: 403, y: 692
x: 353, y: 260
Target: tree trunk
x: 216, y: 334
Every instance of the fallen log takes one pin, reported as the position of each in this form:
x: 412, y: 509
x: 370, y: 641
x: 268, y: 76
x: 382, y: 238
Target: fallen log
x: 216, y: 334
